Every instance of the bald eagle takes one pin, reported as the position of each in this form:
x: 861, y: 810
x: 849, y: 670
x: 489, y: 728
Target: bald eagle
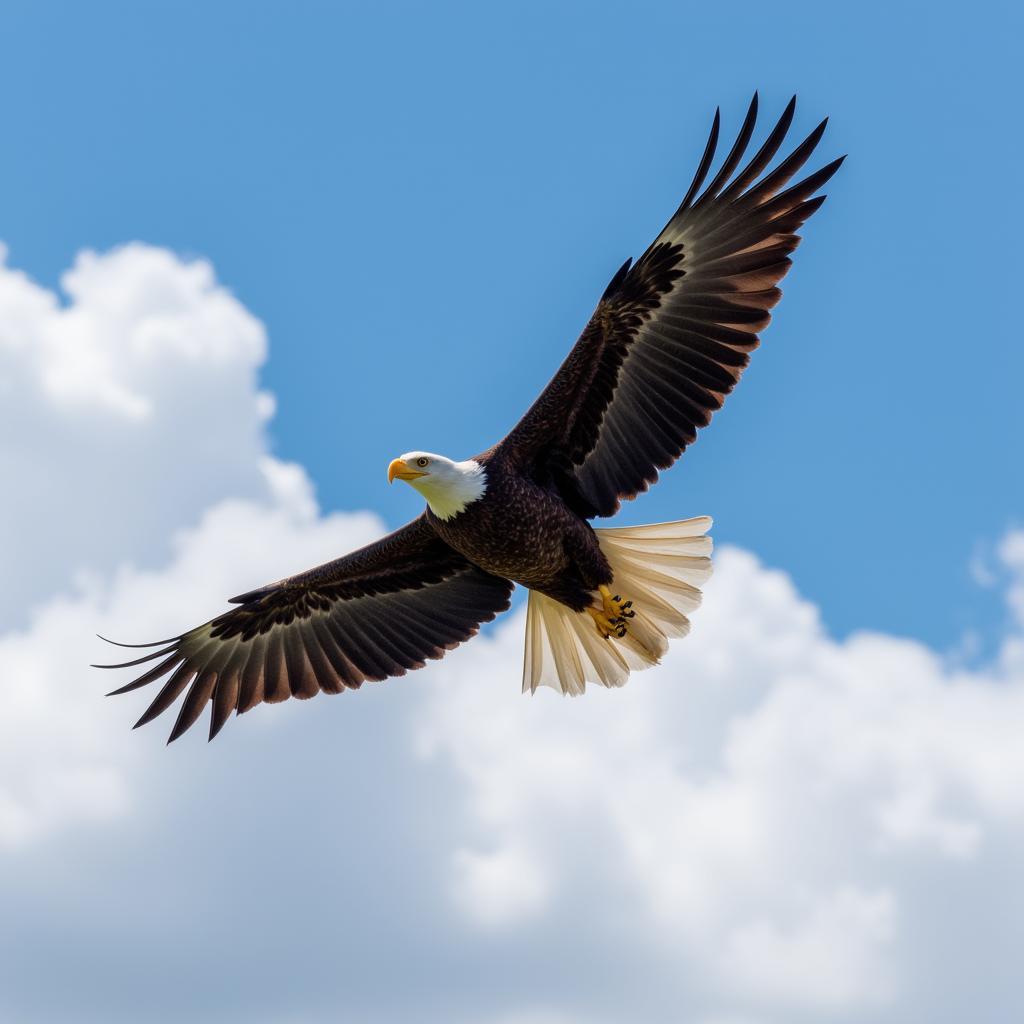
x: 667, y: 342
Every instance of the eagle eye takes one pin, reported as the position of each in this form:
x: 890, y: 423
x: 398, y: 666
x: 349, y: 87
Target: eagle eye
x: 421, y: 462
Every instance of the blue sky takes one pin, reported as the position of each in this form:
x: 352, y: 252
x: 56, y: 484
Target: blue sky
x: 393, y: 220
x: 422, y: 203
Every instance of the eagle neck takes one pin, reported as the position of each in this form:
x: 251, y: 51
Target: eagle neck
x: 452, y: 495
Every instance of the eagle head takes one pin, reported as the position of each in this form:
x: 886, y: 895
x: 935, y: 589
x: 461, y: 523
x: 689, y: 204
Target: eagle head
x: 447, y: 486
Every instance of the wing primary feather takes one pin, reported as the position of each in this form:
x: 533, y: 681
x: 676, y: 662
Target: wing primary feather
x: 325, y: 676
x: 802, y: 189
x: 347, y: 673
x: 764, y: 155
x: 155, y: 643
x: 154, y: 673
x: 370, y: 630
x: 169, y: 694
x: 391, y: 635
x: 620, y: 276
x: 672, y: 336
x: 771, y: 183
x: 140, y: 661
x: 250, y: 693
x: 739, y: 147
x: 225, y: 696
x: 196, y: 699
x: 373, y: 613
x: 705, y: 161
x: 275, y: 683
x: 300, y: 680
x: 802, y: 211
x: 364, y: 653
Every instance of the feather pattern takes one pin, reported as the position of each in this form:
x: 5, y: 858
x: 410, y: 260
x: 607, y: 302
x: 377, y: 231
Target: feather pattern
x: 668, y: 341
x: 375, y: 613
x: 673, y: 332
x: 661, y: 567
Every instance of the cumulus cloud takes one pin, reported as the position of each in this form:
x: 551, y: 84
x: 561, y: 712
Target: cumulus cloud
x: 64, y: 756
x: 757, y: 801
x: 499, y: 887
x: 774, y: 826
x: 126, y: 409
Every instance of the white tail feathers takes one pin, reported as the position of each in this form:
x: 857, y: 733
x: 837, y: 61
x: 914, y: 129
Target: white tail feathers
x: 660, y: 569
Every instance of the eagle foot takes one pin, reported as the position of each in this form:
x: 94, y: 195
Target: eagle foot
x: 608, y: 626
x: 614, y: 607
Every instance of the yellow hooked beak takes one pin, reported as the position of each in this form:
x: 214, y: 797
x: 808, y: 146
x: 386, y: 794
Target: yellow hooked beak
x: 402, y: 470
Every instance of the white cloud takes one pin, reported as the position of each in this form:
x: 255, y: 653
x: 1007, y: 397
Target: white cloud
x: 773, y: 827
x: 64, y: 754
x: 757, y: 801
x: 125, y: 413
x: 828, y: 957
x: 499, y: 887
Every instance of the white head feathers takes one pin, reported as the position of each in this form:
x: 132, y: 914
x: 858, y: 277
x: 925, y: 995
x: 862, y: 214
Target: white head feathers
x: 447, y: 486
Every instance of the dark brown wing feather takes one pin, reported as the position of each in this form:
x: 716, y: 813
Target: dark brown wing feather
x: 672, y: 332
x: 374, y: 613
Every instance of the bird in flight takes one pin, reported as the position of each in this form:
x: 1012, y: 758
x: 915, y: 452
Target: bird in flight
x: 669, y: 339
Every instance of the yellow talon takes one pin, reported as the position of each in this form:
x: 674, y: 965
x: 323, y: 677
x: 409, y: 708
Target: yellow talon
x: 606, y: 625
x: 614, y: 607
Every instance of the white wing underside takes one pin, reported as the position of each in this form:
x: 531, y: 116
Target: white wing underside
x: 660, y: 568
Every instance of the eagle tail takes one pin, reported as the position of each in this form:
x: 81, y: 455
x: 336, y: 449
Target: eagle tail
x: 660, y: 568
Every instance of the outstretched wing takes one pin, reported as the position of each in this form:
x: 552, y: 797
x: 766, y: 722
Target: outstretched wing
x: 674, y: 331
x: 374, y: 613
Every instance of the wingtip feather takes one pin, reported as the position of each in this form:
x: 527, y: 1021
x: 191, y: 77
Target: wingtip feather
x: 155, y: 643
